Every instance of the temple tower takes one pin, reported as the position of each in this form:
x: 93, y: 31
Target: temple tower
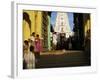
x: 62, y: 24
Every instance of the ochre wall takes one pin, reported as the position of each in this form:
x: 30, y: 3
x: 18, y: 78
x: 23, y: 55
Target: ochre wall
x: 36, y: 24
x: 87, y: 24
x: 26, y: 30
x: 39, y: 23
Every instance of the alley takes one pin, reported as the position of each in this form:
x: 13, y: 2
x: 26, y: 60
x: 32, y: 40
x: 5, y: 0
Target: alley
x: 62, y: 58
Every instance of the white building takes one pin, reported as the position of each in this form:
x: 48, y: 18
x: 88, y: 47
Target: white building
x: 62, y: 24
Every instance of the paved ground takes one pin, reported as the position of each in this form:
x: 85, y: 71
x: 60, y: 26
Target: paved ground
x: 61, y: 58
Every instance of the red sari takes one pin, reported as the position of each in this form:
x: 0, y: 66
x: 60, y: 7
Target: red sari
x: 38, y: 45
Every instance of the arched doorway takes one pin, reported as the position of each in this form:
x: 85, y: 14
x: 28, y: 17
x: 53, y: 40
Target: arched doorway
x: 26, y: 26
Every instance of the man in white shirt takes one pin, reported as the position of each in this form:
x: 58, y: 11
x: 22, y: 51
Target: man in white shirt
x: 54, y: 40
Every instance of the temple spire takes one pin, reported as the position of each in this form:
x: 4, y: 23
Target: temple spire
x: 62, y: 24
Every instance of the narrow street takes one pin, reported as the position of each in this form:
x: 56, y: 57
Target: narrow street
x: 61, y: 58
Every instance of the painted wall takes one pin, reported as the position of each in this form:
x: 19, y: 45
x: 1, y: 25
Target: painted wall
x: 36, y: 23
x: 32, y: 18
x: 26, y: 30
x: 87, y: 23
x: 49, y: 39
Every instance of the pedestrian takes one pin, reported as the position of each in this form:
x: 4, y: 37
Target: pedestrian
x: 87, y: 43
x: 28, y: 57
x: 70, y: 42
x: 25, y: 54
x: 37, y: 47
x: 32, y: 38
x: 31, y: 58
x: 54, y: 40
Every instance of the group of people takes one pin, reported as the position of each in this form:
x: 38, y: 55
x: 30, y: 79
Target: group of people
x: 61, y: 42
x: 31, y: 51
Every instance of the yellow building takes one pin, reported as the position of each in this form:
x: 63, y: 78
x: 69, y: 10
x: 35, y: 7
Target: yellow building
x: 26, y: 30
x: 26, y: 26
x: 87, y: 23
x: 38, y: 22
x: 32, y: 23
